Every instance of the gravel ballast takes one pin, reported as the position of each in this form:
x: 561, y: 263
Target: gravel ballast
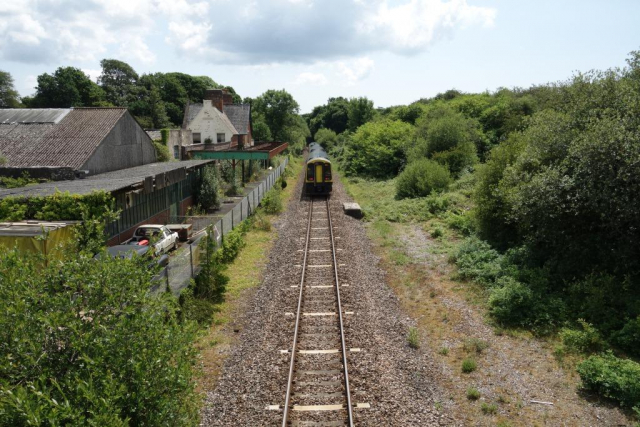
x: 399, y: 383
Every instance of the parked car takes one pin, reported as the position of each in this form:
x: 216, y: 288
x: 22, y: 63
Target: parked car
x: 162, y: 239
x: 161, y: 280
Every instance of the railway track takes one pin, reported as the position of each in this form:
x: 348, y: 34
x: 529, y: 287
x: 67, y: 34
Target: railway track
x: 318, y: 391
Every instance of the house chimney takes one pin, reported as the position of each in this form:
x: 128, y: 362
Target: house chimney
x: 227, y: 98
x: 216, y: 98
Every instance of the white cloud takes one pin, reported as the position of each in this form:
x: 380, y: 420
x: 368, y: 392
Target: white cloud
x: 247, y: 32
x: 356, y: 70
x: 315, y: 79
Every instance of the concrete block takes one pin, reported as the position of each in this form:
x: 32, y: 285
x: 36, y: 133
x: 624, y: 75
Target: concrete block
x: 352, y: 209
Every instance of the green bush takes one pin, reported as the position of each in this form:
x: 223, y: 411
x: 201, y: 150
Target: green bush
x: 469, y: 365
x: 272, y: 201
x: 377, y: 149
x: 613, y: 378
x: 208, y: 194
x: 421, y: 178
x: 83, y: 342
x: 473, y: 394
x: 628, y: 337
x: 162, y: 151
x: 413, y: 338
x: 478, y: 261
x: 488, y: 408
x: 584, y: 340
x: 511, y: 302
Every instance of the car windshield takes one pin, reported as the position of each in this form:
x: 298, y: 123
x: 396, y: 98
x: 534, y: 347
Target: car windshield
x: 147, y: 232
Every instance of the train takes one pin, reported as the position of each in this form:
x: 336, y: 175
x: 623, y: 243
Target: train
x: 318, y: 178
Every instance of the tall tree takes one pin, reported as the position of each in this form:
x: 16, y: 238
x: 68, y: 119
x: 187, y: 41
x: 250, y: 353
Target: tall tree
x: 279, y: 110
x: 157, y: 111
x: 361, y: 111
x: 67, y: 87
x: 9, y: 97
x: 118, y: 80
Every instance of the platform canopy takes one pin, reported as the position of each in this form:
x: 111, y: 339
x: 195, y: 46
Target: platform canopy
x: 263, y: 151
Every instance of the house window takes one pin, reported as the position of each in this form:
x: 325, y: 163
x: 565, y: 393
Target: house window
x: 176, y: 152
x: 221, y: 137
x: 196, y: 138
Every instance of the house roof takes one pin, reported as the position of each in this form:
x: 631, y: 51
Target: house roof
x: 54, y: 137
x: 240, y: 116
x: 193, y: 111
x: 109, y: 181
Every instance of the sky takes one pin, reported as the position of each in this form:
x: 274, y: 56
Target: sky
x: 391, y: 51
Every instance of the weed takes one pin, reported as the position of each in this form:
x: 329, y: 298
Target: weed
x: 399, y: 258
x: 488, y: 409
x: 437, y: 232
x: 475, y: 345
x: 413, y: 338
x: 503, y: 424
x: 444, y: 351
x: 261, y: 222
x: 438, y: 406
x: 469, y: 365
x: 519, y: 404
x: 473, y: 394
x: 502, y: 399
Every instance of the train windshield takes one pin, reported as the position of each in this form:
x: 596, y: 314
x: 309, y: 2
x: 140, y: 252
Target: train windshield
x: 310, y: 174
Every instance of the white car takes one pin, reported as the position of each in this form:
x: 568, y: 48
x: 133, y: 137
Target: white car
x: 162, y: 239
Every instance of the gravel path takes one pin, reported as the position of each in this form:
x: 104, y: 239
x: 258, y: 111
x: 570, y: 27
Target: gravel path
x: 399, y: 383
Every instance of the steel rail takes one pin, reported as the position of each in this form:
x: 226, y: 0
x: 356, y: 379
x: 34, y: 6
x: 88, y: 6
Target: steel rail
x: 344, y: 346
x: 285, y: 417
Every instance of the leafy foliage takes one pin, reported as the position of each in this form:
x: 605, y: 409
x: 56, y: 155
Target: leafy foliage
x: 9, y: 96
x: 67, y: 87
x: 421, y: 178
x: 208, y: 196
x: 83, y: 342
x: 612, y: 377
x: 377, y: 149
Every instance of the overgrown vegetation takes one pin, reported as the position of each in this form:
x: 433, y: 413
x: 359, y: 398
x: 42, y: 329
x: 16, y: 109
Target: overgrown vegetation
x: 83, y: 342
x: 543, y: 186
x: 208, y: 195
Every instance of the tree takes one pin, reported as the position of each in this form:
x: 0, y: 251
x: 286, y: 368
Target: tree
x: 260, y: 129
x: 157, y: 112
x: 118, y: 80
x: 327, y: 138
x: 378, y: 149
x: 279, y: 110
x: 67, y: 87
x: 9, y: 97
x: 447, y: 137
x: 334, y: 116
x: 360, y: 111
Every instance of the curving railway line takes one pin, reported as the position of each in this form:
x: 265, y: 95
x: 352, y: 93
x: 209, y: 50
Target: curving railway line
x: 318, y: 391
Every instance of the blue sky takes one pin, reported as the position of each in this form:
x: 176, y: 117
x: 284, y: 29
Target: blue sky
x: 392, y: 51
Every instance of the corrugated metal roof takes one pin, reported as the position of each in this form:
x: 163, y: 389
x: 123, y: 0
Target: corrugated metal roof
x: 31, y: 115
x: 31, y: 228
x: 68, y: 143
x: 110, y: 181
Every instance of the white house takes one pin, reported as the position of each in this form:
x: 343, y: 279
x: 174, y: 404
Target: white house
x: 217, y: 120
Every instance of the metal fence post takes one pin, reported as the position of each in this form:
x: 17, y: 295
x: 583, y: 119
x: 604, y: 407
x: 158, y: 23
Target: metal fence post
x: 191, y: 259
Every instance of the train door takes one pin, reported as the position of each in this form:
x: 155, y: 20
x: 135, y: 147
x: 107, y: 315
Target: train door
x: 319, y: 173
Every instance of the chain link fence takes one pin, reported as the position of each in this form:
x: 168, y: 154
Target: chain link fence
x: 184, y: 263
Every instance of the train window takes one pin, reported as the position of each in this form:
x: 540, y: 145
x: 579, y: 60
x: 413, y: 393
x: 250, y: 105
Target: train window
x: 327, y: 172
x: 310, y: 173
